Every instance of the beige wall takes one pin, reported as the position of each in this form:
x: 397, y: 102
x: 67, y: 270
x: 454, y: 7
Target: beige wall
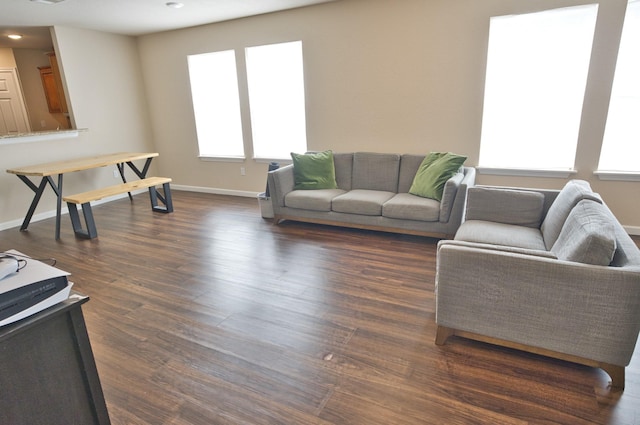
x: 380, y: 75
x: 106, y: 93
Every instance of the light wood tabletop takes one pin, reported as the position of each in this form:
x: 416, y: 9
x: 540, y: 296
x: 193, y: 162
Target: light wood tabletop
x: 79, y: 164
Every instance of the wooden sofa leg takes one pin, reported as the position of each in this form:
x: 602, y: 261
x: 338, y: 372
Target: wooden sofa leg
x: 616, y: 373
x: 442, y: 334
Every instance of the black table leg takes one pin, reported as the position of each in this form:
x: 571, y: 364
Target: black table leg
x: 58, y: 192
x: 38, y: 194
x: 142, y: 174
x: 124, y: 179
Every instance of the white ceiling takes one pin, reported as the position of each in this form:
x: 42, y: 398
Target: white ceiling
x: 129, y: 17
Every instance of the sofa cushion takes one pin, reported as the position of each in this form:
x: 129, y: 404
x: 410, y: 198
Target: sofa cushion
x: 360, y: 201
x: 489, y: 232
x: 406, y: 206
x: 375, y: 171
x: 588, y: 235
x: 315, y: 200
x: 435, y: 170
x: 519, y: 207
x: 409, y: 164
x: 314, y: 171
x: 572, y: 193
x: 343, y: 163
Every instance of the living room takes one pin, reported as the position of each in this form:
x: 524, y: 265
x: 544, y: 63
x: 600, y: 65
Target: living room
x: 380, y: 76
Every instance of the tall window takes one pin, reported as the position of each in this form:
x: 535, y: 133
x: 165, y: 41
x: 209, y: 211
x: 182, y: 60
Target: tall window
x: 216, y: 105
x: 276, y: 97
x: 537, y: 67
x: 621, y: 144
x: 276, y: 101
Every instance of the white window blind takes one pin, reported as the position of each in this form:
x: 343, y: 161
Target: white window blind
x: 275, y: 79
x: 621, y: 143
x: 537, y: 67
x: 216, y: 104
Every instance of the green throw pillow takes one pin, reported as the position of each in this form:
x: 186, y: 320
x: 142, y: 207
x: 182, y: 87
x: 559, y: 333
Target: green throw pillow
x: 435, y: 170
x: 314, y: 170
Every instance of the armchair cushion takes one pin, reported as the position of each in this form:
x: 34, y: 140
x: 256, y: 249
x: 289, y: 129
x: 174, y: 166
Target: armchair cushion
x: 489, y: 232
x: 519, y: 207
x: 588, y: 235
x: 572, y: 193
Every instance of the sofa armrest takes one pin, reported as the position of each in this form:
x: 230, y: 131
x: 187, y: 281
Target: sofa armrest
x: 572, y: 308
x: 281, y: 182
x: 455, y: 194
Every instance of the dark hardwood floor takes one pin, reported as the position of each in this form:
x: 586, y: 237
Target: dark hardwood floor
x: 212, y: 315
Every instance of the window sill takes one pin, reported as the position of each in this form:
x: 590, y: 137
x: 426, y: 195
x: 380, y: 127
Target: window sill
x: 281, y: 161
x: 221, y: 158
x: 629, y: 176
x: 521, y: 172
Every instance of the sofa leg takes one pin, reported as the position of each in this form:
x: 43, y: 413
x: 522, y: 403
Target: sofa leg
x: 616, y: 373
x: 442, y: 334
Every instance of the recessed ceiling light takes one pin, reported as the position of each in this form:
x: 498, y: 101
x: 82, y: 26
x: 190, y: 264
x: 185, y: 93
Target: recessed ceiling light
x: 15, y: 36
x: 47, y: 1
x: 174, y: 4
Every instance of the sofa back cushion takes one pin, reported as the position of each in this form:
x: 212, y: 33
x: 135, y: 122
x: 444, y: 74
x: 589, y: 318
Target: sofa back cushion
x: 572, y: 193
x: 409, y: 164
x: 587, y: 236
x: 344, y: 169
x: 375, y: 171
x: 508, y: 206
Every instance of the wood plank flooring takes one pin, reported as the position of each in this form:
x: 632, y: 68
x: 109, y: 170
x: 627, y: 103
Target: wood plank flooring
x: 212, y: 315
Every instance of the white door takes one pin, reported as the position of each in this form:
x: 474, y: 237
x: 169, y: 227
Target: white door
x: 13, y: 113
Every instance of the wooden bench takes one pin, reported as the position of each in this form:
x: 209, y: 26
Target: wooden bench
x: 84, y: 199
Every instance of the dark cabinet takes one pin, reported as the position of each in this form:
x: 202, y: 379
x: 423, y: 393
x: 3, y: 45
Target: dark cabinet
x: 47, y: 370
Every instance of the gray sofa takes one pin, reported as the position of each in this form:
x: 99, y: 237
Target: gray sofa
x: 550, y: 272
x: 373, y: 194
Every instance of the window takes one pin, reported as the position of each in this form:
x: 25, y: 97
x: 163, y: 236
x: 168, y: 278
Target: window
x: 621, y: 143
x: 537, y: 67
x: 216, y: 104
x: 275, y: 97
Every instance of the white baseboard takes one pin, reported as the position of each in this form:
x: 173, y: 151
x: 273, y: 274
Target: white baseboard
x: 215, y: 191
x: 52, y: 213
x: 632, y: 230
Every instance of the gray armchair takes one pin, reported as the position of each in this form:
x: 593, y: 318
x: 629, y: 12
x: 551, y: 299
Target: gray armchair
x: 549, y: 272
